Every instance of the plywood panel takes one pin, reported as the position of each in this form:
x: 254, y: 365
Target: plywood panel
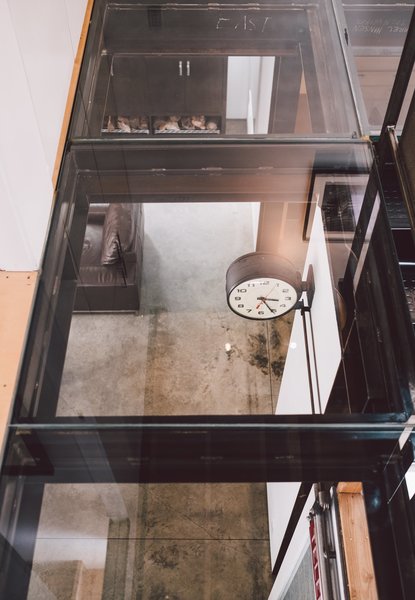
x: 16, y: 295
x: 359, y: 563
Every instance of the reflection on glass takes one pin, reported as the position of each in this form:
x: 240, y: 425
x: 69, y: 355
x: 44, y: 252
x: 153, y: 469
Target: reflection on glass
x: 185, y: 351
x: 218, y: 71
x: 152, y: 541
x: 170, y: 327
x: 333, y: 211
x: 376, y: 35
x: 214, y: 540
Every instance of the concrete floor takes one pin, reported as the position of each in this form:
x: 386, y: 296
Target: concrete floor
x: 152, y: 542
x: 177, y: 542
x: 171, y: 358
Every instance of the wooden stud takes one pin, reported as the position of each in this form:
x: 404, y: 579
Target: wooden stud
x: 350, y: 487
x: 356, y: 543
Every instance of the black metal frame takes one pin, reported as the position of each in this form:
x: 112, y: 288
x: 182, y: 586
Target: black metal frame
x: 200, y: 449
x: 182, y: 449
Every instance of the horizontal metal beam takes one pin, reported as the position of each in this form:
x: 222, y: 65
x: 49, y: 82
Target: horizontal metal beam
x: 216, y: 450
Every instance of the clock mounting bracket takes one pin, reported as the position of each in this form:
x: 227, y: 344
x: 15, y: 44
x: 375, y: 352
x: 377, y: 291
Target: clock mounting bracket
x: 308, y: 288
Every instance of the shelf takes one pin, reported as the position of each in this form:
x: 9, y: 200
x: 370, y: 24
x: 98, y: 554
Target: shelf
x: 162, y: 124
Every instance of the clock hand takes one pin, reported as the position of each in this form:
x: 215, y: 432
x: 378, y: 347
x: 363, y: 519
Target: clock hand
x: 264, y: 301
x: 268, y: 306
x: 263, y: 298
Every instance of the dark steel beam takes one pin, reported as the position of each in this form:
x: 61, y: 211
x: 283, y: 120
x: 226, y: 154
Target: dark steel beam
x: 392, y: 529
x: 214, y: 449
x: 296, y: 512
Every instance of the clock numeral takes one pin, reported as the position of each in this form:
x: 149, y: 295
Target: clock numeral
x: 285, y: 291
x: 241, y: 305
x: 248, y: 310
x: 251, y: 285
x: 261, y: 312
x: 241, y: 291
x: 274, y: 310
x: 264, y: 283
x: 288, y: 298
x: 238, y: 298
x: 283, y: 306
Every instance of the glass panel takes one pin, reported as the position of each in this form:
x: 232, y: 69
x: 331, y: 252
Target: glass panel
x: 81, y: 515
x: 164, y: 442
x: 160, y: 360
x: 222, y: 297
x: 376, y: 34
x: 73, y: 523
x: 152, y: 541
x: 217, y: 70
x: 250, y: 270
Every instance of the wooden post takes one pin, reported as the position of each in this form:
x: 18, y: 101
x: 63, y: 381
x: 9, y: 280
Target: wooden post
x: 356, y: 543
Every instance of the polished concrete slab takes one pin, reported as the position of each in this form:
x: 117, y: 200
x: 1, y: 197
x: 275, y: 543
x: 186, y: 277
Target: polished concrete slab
x: 153, y: 541
x: 185, y: 352
x: 172, y: 364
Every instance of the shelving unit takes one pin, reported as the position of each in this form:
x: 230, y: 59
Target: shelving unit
x: 174, y: 95
x: 161, y: 124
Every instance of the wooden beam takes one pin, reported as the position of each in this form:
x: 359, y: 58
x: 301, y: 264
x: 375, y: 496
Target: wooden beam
x: 350, y: 487
x: 356, y: 543
x: 16, y: 295
x: 72, y: 92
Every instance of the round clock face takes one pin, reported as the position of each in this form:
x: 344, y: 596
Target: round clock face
x: 262, y: 298
x: 261, y: 285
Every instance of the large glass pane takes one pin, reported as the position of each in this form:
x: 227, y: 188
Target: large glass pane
x: 77, y: 519
x: 144, y: 272
x: 221, y: 345
x: 217, y: 285
x: 213, y: 70
x: 82, y: 515
x: 376, y: 32
x: 152, y: 541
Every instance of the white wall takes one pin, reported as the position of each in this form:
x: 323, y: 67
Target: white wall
x: 266, y: 81
x: 243, y: 75
x: 296, y: 550
x: 294, y: 398
x: 38, y: 42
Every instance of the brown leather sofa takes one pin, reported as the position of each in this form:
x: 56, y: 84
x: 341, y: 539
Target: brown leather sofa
x: 112, y: 257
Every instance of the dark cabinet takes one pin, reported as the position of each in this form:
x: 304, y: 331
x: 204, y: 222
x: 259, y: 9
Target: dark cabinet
x: 128, y: 88
x: 186, y: 85
x: 205, y: 84
x: 161, y: 86
x: 166, y: 84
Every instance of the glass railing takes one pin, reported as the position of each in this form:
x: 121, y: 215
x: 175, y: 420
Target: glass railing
x: 221, y: 320
x: 143, y: 308
x: 180, y: 70
x: 375, y: 34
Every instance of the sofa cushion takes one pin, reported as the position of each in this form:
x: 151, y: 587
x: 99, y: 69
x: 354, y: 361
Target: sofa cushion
x: 119, y: 229
x: 91, y: 251
x: 110, y: 276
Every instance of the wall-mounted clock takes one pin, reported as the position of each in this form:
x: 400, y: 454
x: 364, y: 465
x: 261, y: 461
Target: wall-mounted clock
x: 261, y: 286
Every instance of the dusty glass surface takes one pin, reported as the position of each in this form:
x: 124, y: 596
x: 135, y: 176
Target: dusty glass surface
x: 142, y: 322
x: 226, y: 69
x: 162, y: 444
x: 376, y: 33
x: 152, y: 541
